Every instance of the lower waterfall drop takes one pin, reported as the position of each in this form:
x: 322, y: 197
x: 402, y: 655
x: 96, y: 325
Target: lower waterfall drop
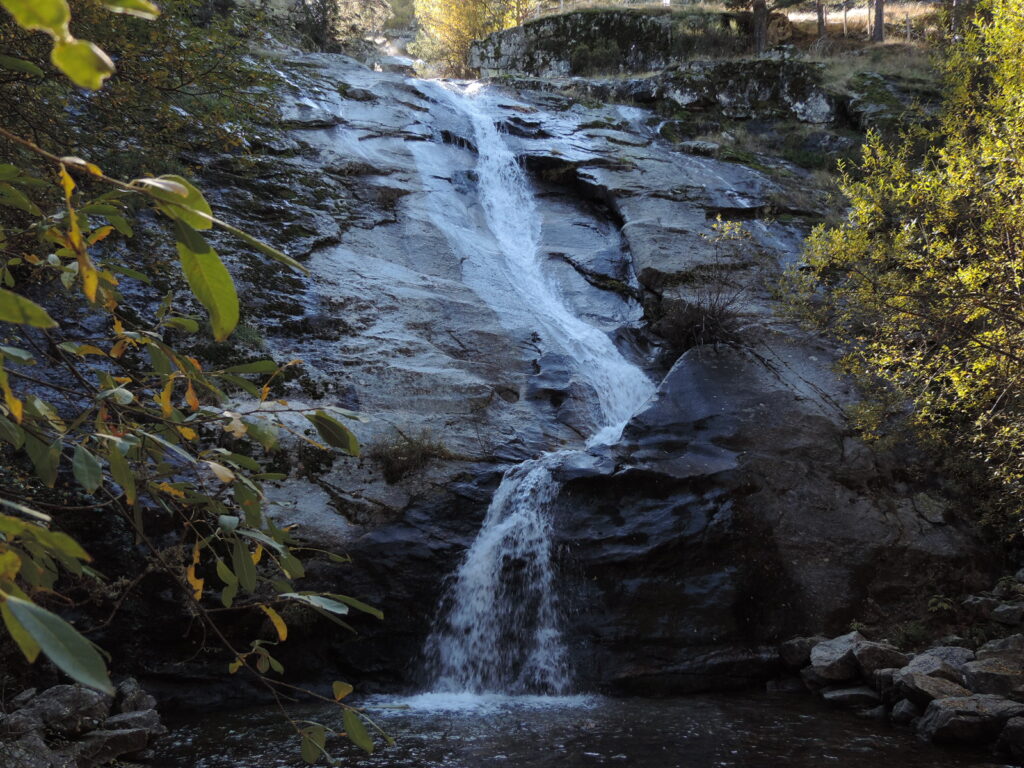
x: 500, y: 630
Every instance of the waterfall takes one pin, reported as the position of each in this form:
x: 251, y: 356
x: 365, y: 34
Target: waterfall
x: 500, y: 629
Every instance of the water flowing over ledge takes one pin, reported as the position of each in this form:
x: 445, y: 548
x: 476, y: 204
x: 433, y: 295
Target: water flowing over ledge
x: 500, y: 628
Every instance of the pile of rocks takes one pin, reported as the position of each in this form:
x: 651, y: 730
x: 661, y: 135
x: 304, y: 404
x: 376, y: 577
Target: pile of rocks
x: 950, y: 694
x: 69, y: 726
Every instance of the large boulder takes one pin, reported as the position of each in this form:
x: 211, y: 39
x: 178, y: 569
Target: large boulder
x: 64, y: 710
x: 934, y: 666
x: 1002, y: 674
x: 1012, y: 645
x: 922, y: 689
x: 974, y: 719
x: 872, y: 656
x: 834, y: 659
x: 796, y: 652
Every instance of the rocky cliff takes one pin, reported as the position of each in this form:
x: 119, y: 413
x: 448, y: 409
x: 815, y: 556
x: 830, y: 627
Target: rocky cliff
x: 738, y: 509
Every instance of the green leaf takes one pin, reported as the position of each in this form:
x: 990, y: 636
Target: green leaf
x: 20, y: 65
x: 29, y: 647
x: 260, y: 366
x: 228, y: 523
x: 242, y: 565
x: 181, y: 200
x: 122, y: 473
x: 141, y: 8
x: 264, y: 431
x: 209, y: 279
x: 314, y: 739
x: 45, y: 458
x: 318, y: 601
x: 11, y: 432
x: 62, y: 644
x: 51, y: 16
x: 186, y: 324
x: 87, y: 469
x: 243, y: 384
x: 85, y: 63
x: 356, y: 730
x: 15, y: 198
x: 18, y: 309
x: 334, y: 432
x: 359, y: 605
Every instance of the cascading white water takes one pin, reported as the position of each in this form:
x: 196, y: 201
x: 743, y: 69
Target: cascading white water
x: 500, y: 631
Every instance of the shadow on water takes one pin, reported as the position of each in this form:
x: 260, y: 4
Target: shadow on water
x: 443, y: 731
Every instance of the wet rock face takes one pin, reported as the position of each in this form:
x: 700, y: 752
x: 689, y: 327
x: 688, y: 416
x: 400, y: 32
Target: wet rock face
x: 736, y: 511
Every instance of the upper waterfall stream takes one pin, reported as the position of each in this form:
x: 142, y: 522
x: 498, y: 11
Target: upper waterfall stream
x: 500, y: 630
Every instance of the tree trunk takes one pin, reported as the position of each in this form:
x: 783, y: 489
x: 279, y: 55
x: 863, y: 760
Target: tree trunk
x: 821, y: 19
x: 760, y: 26
x: 846, y: 31
x: 878, y: 33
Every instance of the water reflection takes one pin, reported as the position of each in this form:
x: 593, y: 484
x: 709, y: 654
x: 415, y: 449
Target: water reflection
x: 463, y: 731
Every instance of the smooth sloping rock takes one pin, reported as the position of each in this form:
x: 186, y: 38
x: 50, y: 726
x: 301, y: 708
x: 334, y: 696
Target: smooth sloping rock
x: 905, y: 711
x: 834, y: 660
x: 1011, y: 644
x: 872, y: 656
x: 921, y: 689
x: 796, y: 653
x: 967, y: 720
x: 858, y: 696
x: 1002, y: 675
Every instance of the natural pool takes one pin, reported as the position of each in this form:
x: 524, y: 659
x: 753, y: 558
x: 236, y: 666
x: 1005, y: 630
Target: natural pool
x: 441, y: 731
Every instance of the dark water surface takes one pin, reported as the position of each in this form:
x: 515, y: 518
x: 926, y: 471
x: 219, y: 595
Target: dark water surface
x: 714, y: 731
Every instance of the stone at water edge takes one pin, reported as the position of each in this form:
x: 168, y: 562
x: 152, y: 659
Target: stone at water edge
x: 833, y: 659
x: 885, y: 685
x: 922, y: 689
x: 954, y: 655
x: 102, y: 747
x: 872, y: 656
x: 974, y: 719
x: 905, y: 712
x: 64, y: 710
x: 146, y: 719
x: 131, y: 697
x: 858, y: 696
x: 796, y: 653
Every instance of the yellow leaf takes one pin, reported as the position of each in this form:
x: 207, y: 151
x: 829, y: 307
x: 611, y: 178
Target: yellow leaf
x: 190, y: 397
x: 118, y: 349
x: 10, y: 564
x: 164, y: 399
x: 277, y: 621
x: 188, y: 434
x: 257, y: 555
x: 89, y: 349
x: 193, y: 580
x: 99, y: 234
x: 171, y: 490
x: 341, y: 690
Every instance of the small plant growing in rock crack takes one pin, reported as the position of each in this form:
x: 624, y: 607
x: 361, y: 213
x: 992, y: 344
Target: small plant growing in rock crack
x: 140, y: 426
x: 709, y: 315
x: 940, y: 604
x: 399, y: 454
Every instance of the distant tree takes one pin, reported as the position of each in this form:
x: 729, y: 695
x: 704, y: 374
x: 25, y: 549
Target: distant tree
x: 762, y: 10
x: 878, y: 30
x: 449, y: 27
x: 326, y: 22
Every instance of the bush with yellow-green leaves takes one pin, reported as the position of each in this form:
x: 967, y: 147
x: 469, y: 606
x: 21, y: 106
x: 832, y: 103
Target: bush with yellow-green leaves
x: 138, y: 424
x: 925, y: 280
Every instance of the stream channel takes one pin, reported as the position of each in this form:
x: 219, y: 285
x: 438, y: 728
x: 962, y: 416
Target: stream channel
x: 500, y: 688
